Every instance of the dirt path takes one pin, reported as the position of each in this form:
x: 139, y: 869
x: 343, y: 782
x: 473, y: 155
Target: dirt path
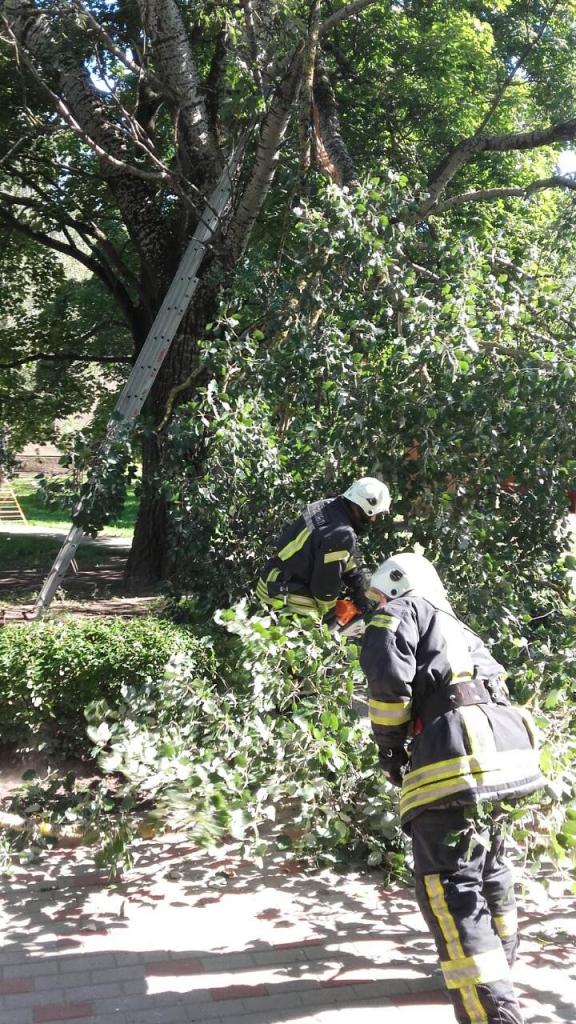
x: 13, y: 766
x: 95, y: 591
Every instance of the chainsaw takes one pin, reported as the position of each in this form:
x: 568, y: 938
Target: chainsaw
x: 349, y: 620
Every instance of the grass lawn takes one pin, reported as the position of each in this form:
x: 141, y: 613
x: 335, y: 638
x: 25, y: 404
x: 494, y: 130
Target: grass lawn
x: 37, y: 514
x: 23, y: 551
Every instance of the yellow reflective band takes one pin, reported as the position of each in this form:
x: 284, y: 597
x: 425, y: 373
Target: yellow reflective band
x: 437, y: 771
x: 480, y: 969
x: 262, y: 590
x: 456, y: 649
x: 303, y: 601
x: 478, y: 729
x: 429, y: 795
x: 440, y: 909
x: 506, y: 924
x: 264, y: 596
x: 470, y: 776
x: 515, y: 762
x: 385, y: 621
x: 531, y: 727
x: 390, y: 714
x: 351, y: 563
x: 294, y: 545
x: 335, y: 556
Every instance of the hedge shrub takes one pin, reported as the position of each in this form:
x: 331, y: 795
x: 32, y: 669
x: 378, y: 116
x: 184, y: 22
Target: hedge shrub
x: 50, y: 671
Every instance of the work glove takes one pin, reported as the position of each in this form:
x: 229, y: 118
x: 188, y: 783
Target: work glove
x: 394, y: 778
x: 392, y: 763
x: 364, y: 605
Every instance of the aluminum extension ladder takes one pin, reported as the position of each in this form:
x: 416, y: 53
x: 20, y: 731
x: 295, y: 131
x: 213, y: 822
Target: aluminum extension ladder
x: 156, y: 346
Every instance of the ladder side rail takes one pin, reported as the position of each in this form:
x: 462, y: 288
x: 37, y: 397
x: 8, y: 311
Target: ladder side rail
x: 59, y: 569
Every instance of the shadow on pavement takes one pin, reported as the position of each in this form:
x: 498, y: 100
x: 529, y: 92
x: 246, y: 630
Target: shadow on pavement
x: 188, y: 936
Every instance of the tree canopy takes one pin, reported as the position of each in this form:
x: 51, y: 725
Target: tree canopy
x: 391, y: 275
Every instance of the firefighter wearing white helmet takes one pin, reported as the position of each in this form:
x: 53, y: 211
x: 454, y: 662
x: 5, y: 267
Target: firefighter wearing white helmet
x: 371, y: 495
x: 448, y: 735
x: 315, y: 558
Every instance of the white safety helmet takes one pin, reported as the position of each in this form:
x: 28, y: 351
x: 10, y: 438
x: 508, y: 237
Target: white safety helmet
x: 407, y: 573
x: 370, y: 494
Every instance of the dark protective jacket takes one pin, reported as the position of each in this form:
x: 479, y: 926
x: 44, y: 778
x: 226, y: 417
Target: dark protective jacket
x: 417, y: 659
x: 315, y: 560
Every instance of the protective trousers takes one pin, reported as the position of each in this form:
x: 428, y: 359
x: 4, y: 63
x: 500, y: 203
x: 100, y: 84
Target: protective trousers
x: 466, y: 894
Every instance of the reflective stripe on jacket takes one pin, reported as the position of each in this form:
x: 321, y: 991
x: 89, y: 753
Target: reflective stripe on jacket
x: 477, y: 752
x: 315, y: 556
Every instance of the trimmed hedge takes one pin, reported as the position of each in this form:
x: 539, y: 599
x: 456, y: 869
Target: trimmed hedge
x: 50, y: 671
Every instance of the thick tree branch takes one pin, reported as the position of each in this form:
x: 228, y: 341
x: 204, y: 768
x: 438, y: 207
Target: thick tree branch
x: 469, y: 149
x: 267, y: 156
x: 331, y: 150
x: 105, y: 157
x: 305, y: 114
x: 345, y: 12
x: 491, y: 194
x: 200, y: 156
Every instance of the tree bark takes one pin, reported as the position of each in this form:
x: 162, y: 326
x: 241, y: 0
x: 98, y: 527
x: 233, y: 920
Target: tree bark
x: 153, y: 556
x: 331, y: 150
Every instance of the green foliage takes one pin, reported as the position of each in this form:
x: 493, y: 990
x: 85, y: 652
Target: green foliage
x: 437, y: 380
x: 57, y: 493
x: 215, y: 450
x: 104, y: 492
x: 268, y: 742
x: 49, y: 672
x: 49, y: 305
x: 250, y: 734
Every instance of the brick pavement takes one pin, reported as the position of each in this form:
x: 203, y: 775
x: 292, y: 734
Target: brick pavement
x: 188, y: 937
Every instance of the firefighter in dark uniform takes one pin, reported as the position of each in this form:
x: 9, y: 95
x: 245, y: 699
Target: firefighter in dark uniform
x: 315, y: 557
x: 434, y: 684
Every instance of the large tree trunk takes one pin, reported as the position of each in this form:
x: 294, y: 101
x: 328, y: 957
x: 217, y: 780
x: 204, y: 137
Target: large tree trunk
x: 149, y: 560
x: 154, y: 554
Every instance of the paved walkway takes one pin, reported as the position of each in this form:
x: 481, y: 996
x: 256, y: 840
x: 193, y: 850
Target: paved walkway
x: 191, y: 938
